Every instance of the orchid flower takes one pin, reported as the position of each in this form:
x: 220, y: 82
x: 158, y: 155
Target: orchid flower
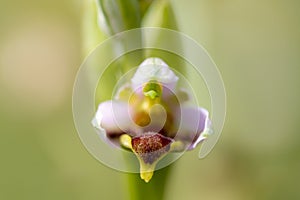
x: 149, y: 117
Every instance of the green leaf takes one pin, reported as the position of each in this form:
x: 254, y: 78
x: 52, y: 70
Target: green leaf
x: 119, y: 15
x: 160, y: 14
x: 91, y: 33
x: 144, y: 5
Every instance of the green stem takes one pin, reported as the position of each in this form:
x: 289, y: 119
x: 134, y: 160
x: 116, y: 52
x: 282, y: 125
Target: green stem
x: 155, y: 189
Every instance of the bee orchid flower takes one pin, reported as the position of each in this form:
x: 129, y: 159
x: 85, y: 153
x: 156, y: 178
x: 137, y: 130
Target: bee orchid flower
x: 149, y: 117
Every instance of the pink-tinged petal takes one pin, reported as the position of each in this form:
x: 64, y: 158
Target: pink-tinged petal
x: 154, y: 69
x: 113, y: 117
x: 195, y: 125
x: 203, y: 135
x: 182, y: 95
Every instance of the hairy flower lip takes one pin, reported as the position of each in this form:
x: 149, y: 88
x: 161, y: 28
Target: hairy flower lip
x: 149, y: 149
x: 150, y: 146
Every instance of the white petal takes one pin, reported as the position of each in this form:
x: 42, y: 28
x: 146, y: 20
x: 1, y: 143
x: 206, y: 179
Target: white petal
x: 154, y: 69
x: 112, y: 116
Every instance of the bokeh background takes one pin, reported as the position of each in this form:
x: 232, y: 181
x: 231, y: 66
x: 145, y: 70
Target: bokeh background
x: 256, y: 45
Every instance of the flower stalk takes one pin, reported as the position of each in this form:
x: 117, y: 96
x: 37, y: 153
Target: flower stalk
x: 155, y: 189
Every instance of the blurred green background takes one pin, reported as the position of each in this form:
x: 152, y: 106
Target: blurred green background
x: 255, y: 44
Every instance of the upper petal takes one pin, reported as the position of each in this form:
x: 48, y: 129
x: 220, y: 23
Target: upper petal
x: 154, y: 69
